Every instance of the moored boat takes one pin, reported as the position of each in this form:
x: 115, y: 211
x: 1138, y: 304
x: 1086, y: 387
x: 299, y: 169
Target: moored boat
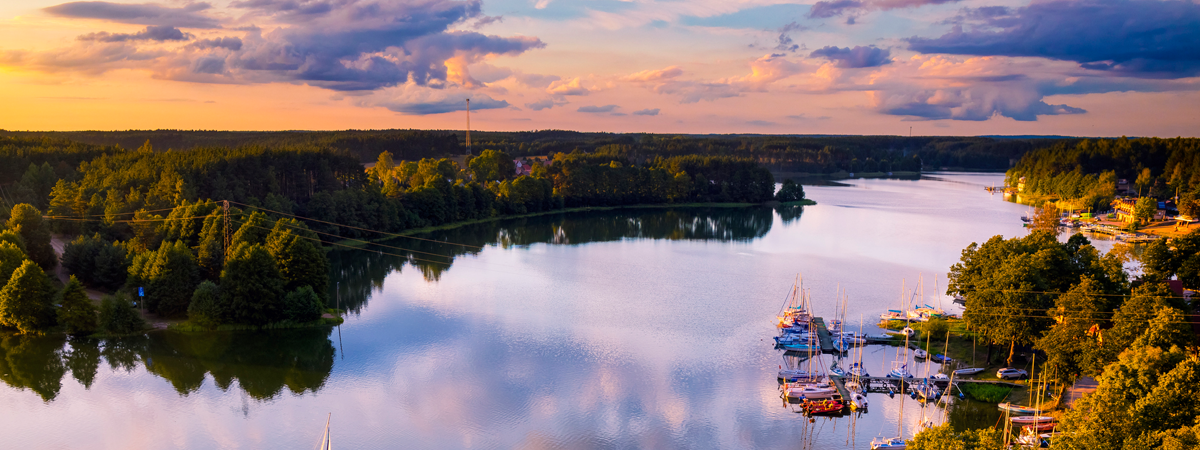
x: 920, y: 354
x: 1018, y: 409
x: 1032, y: 419
x: 888, y: 443
x: 969, y: 371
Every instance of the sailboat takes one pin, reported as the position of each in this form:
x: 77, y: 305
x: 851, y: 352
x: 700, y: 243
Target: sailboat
x: 325, y: 438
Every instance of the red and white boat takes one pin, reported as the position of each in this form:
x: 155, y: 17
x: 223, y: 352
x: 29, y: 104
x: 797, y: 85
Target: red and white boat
x: 1033, y: 419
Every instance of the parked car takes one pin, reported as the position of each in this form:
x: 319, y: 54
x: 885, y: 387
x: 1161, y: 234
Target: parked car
x: 1009, y: 373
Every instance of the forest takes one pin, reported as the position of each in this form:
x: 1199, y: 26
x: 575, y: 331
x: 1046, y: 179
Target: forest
x: 1081, y: 314
x: 1086, y: 171
x: 238, y: 237
x: 780, y: 153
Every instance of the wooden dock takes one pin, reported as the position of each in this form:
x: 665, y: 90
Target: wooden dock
x: 823, y: 336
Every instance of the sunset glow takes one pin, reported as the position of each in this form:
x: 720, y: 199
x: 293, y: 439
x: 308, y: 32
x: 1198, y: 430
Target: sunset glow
x: 970, y: 67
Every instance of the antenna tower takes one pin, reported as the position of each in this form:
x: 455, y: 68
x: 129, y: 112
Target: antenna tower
x: 225, y: 248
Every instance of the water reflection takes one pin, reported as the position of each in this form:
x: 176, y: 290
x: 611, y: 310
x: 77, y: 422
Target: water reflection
x: 360, y: 272
x: 262, y: 363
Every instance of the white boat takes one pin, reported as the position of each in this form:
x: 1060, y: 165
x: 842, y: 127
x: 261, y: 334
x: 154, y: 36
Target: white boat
x: 858, y: 400
x: 793, y: 374
x: 900, y: 372
x: 811, y: 391
x: 888, y: 443
x: 834, y: 369
x: 893, y: 314
x: 920, y: 354
x: 1018, y: 409
x: 969, y: 371
x: 858, y: 370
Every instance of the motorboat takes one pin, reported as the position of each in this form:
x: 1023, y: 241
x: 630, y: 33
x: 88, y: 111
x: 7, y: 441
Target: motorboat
x: 1018, y: 409
x: 969, y: 371
x: 858, y: 401
x: 893, y: 314
x: 888, y: 443
x: 793, y: 338
x: 1041, y: 427
x: 941, y: 358
x: 920, y: 354
x: 798, y: 347
x: 823, y: 407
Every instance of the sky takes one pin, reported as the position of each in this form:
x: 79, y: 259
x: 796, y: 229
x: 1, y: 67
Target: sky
x: 894, y: 67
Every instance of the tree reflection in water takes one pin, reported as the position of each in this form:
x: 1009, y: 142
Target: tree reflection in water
x: 359, y: 272
x: 263, y: 363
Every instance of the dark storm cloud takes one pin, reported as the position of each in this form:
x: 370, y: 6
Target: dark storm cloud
x: 1138, y: 38
x: 140, y: 13
x: 854, y: 58
x: 151, y: 33
x: 836, y: 8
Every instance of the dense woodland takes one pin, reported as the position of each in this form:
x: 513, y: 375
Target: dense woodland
x: 155, y: 220
x: 1086, y: 171
x: 791, y: 154
x: 1084, y: 316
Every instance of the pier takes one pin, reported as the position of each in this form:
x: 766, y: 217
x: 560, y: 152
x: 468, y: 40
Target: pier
x: 823, y: 336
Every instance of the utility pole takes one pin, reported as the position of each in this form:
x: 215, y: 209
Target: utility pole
x: 468, y: 127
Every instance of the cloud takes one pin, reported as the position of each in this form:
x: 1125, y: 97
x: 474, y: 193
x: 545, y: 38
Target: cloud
x: 764, y: 71
x: 854, y: 58
x: 572, y: 87
x: 187, y: 16
x: 1138, y: 38
x: 151, y: 33
x: 655, y: 75
x: 341, y: 45
x: 535, y: 80
x: 785, y: 39
x: 597, y: 109
x: 837, y: 8
x: 646, y: 112
x: 413, y: 99
x: 545, y: 104
x: 485, y: 21
x: 975, y: 89
x: 231, y: 43
x: 761, y: 123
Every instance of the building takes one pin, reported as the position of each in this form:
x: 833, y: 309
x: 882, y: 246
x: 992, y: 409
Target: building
x: 1126, y: 208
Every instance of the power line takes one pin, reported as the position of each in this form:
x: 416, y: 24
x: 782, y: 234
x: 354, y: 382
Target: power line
x: 352, y: 239
x: 354, y: 227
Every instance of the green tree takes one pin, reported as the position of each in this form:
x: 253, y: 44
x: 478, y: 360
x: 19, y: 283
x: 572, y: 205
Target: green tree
x: 253, y: 230
x: 171, y: 280
x: 14, y: 238
x: 252, y: 286
x: 27, y: 220
x: 492, y: 165
x: 1144, y: 181
x: 303, y: 305
x: 300, y: 261
x: 1072, y: 344
x: 210, y: 255
x: 75, y: 311
x: 118, y: 316
x: 790, y: 192
x: 1046, y: 218
x: 1144, y: 209
x: 25, y: 300
x: 943, y: 437
x: 207, y: 307
x: 11, y: 258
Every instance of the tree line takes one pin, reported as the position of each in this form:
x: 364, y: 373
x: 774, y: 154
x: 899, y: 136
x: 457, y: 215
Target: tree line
x: 1087, y: 170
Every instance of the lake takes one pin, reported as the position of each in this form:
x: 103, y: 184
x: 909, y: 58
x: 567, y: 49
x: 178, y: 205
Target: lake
x: 629, y: 328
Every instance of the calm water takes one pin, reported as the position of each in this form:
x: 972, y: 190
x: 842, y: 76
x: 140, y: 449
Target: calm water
x: 632, y: 328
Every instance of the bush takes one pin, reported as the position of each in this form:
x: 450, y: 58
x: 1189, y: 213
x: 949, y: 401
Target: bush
x: 936, y: 328
x: 790, y: 192
x: 206, y: 308
x: 117, y: 316
x: 302, y: 305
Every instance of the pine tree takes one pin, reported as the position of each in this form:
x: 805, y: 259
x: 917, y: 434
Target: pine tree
x: 75, y: 311
x: 252, y: 286
x: 11, y: 258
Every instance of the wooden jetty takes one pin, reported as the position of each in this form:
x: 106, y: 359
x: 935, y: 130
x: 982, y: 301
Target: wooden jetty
x: 823, y: 336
